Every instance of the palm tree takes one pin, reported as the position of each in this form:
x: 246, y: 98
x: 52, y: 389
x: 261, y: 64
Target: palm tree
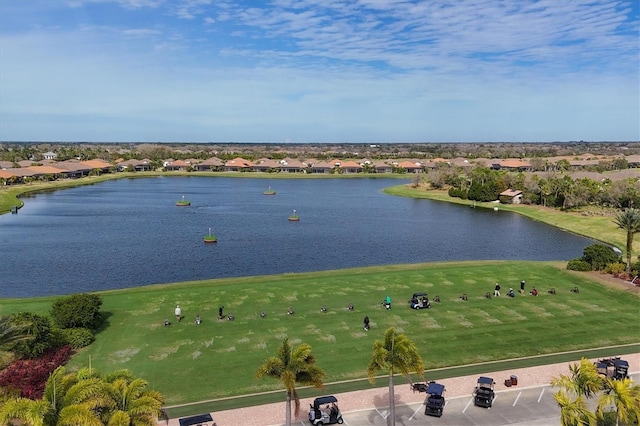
x: 573, y: 412
x: 394, y: 353
x: 133, y: 404
x: 583, y: 381
x: 623, y: 397
x: 629, y: 220
x: 12, y: 332
x: 291, y: 366
x: 87, y: 398
x: 27, y: 411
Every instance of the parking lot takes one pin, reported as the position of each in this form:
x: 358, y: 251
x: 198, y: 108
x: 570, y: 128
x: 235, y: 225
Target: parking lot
x: 531, y: 406
x: 518, y: 406
x: 529, y: 403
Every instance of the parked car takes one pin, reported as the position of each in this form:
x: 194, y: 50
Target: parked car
x: 484, y: 393
x: 420, y: 301
x: 321, y: 413
x: 613, y: 368
x: 434, y: 402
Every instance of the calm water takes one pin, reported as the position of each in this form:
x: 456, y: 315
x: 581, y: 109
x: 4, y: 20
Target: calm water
x: 129, y: 232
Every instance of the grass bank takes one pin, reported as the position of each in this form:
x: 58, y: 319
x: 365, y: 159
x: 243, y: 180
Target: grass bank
x: 600, y: 228
x: 218, y: 358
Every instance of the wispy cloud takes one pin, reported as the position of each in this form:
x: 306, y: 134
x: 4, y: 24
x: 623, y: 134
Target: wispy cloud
x: 326, y: 70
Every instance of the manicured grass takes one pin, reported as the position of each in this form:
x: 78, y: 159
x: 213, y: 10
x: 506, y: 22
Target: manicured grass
x: 218, y: 358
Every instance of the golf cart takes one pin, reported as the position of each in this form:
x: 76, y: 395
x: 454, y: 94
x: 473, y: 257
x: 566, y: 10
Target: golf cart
x: 199, y: 420
x: 613, y: 368
x: 419, y: 301
x: 321, y: 413
x: 434, y: 403
x: 484, y: 393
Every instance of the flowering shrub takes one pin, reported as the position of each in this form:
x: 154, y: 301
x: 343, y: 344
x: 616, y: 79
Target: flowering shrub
x: 30, y: 376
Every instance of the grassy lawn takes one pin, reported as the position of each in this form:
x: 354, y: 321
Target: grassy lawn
x: 216, y: 359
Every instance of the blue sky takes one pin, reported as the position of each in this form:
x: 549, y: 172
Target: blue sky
x: 309, y: 71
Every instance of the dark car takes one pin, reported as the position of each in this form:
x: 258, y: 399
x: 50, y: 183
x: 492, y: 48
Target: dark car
x: 325, y: 411
x: 484, y: 393
x: 434, y: 402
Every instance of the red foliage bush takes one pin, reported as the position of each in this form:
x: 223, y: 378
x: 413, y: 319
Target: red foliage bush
x: 29, y: 376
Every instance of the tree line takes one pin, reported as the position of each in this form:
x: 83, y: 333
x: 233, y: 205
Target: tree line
x: 555, y: 189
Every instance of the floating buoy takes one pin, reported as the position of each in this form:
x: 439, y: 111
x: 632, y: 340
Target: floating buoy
x: 183, y: 202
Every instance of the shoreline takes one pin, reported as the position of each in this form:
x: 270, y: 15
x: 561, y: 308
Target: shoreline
x: 9, y: 196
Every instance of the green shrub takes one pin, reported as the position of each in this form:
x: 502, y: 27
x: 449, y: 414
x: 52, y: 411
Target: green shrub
x: 578, y: 265
x: 39, y: 337
x: 78, y: 337
x: 77, y: 310
x: 599, y: 256
x: 615, y: 268
x: 457, y: 192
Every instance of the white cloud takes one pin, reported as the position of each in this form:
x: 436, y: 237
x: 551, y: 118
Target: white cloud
x: 140, y: 32
x: 326, y: 70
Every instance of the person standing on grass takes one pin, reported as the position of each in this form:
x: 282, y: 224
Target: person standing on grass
x: 522, y: 287
x: 366, y: 323
x: 178, y: 313
x: 220, y: 312
x: 496, y: 290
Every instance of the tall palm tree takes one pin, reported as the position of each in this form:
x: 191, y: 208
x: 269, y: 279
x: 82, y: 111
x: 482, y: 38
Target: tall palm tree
x: 394, y: 353
x: 573, y: 412
x: 291, y: 366
x: 584, y: 379
x: 625, y: 400
x: 629, y: 220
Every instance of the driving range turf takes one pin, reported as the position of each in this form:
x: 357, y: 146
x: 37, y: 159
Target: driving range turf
x: 219, y: 358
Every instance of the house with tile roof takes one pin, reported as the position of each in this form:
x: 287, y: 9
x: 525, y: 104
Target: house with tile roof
x: 134, y: 165
x: 177, y: 165
x: 212, y: 164
x: 292, y: 165
x: 511, y: 196
x: 382, y: 167
x: 410, y: 166
x: 238, y: 164
x: 322, y: 167
x: 266, y: 165
x: 513, y: 165
x: 350, y: 167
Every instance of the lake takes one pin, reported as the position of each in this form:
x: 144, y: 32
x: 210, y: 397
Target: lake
x: 129, y: 232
